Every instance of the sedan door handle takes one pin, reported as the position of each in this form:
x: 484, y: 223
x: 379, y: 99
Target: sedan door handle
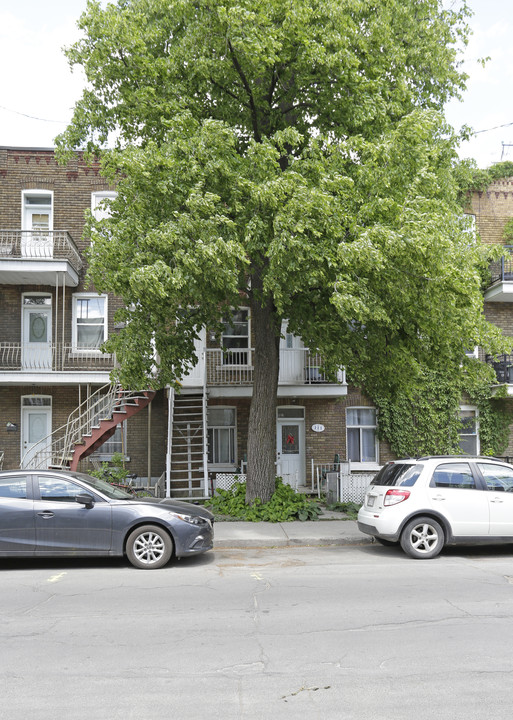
x: 438, y: 497
x: 46, y: 514
x: 497, y: 500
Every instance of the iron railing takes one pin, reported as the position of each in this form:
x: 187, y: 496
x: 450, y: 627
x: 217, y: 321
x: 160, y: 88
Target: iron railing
x: 503, y: 366
x: 297, y: 367
x: 502, y: 269
x: 39, y: 245
x: 56, y: 449
x: 47, y: 357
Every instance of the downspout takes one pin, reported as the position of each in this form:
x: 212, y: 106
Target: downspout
x: 149, y: 444
x: 170, y: 413
x: 206, y: 489
x: 63, y: 314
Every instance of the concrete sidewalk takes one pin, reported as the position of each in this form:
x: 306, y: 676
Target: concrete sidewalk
x: 288, y: 534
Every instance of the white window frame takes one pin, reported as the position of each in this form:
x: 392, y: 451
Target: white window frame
x: 474, y: 409
x: 227, y: 465
x: 35, y: 193
x: 74, y: 331
x: 226, y: 357
x: 360, y: 465
x: 101, y: 212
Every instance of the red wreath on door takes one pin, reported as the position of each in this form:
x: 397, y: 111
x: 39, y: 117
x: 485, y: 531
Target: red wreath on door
x: 290, y: 439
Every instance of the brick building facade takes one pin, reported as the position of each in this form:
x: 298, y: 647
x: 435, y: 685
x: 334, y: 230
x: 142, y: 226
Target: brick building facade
x: 52, y: 325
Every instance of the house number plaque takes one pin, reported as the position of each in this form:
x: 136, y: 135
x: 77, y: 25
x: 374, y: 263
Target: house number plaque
x: 318, y: 428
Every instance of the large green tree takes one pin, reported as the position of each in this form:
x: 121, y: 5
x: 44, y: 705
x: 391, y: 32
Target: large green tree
x: 289, y: 155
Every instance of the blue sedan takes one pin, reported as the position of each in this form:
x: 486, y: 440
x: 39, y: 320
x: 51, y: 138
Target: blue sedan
x: 47, y: 513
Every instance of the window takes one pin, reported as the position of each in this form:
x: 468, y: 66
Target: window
x: 221, y: 435
x: 362, y: 446
x: 89, y: 321
x: 58, y: 490
x: 498, y: 478
x: 453, y: 475
x: 115, y: 444
x: 13, y: 487
x: 468, y: 432
x: 100, y: 204
x: 235, y: 338
x: 37, y: 212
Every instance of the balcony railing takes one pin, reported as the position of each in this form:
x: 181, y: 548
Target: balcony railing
x: 297, y: 367
x: 51, y: 357
x: 502, y: 269
x: 503, y: 366
x: 39, y: 245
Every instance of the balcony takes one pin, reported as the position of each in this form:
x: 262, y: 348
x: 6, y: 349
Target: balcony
x: 501, y: 287
x: 301, y: 373
x: 51, y: 358
x: 503, y: 366
x: 30, y: 257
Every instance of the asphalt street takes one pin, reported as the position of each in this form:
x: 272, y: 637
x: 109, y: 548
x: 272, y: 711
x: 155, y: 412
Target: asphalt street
x: 355, y: 632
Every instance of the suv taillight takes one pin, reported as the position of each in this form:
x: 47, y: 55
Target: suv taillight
x: 394, y: 496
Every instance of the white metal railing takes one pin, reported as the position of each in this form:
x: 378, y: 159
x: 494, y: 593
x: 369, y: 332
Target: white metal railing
x: 56, y: 449
x: 39, y: 245
x: 298, y: 366
x: 350, y: 486
x: 44, y: 357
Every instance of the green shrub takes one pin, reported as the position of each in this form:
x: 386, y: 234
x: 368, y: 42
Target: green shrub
x: 284, y: 505
x: 114, y: 473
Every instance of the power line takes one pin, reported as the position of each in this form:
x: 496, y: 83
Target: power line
x: 497, y: 127
x: 32, y: 117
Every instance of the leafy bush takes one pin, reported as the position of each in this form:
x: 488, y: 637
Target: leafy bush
x: 115, y: 473
x: 349, y: 508
x: 284, y: 505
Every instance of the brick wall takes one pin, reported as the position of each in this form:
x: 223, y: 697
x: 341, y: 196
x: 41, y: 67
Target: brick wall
x: 493, y: 208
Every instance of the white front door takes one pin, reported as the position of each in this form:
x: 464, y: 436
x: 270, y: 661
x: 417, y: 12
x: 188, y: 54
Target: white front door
x: 195, y: 375
x: 36, y: 424
x: 37, y: 333
x: 292, y: 354
x: 290, y: 446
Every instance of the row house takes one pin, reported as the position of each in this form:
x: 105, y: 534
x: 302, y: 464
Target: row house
x: 57, y: 406
x: 492, y: 208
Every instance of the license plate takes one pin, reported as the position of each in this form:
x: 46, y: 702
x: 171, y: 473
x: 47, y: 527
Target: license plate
x: 370, y: 500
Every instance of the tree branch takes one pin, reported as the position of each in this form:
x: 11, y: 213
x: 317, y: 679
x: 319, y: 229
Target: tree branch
x: 252, y: 106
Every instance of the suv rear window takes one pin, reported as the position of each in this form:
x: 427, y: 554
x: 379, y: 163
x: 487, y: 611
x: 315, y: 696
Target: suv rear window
x: 398, y: 474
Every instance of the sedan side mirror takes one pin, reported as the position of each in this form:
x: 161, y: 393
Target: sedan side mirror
x: 85, y: 499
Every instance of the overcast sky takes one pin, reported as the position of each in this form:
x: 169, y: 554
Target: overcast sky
x: 38, y: 90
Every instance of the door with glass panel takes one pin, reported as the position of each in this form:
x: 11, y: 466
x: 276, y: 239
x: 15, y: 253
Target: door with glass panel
x: 290, y: 445
x: 36, y: 426
x: 37, y: 239
x: 37, y: 333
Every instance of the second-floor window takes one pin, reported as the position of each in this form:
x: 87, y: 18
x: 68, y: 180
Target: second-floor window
x: 100, y: 203
x: 89, y: 321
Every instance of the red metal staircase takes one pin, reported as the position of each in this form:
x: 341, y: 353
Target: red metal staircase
x: 123, y: 409
x: 87, y: 427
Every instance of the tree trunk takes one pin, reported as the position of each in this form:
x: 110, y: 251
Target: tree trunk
x: 261, y: 472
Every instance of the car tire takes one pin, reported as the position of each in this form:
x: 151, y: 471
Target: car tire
x: 149, y: 547
x: 422, y: 538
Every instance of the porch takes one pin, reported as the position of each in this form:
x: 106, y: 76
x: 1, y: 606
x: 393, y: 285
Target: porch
x: 51, y: 357
x: 37, y: 257
x: 298, y: 366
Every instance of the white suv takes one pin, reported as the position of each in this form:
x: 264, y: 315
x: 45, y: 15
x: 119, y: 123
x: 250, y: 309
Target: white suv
x: 430, y: 502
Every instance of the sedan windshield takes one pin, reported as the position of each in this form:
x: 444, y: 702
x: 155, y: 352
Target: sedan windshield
x: 111, y: 491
